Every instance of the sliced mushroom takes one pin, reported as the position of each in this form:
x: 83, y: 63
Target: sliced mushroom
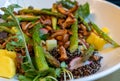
x: 25, y: 25
x: 46, y: 20
x: 65, y: 37
x: 60, y: 43
x: 59, y: 33
x: 74, y: 8
x: 80, y: 35
x: 69, y: 21
x: 67, y: 44
x: 60, y: 22
x: 32, y: 25
x: 69, y: 32
x: 85, y: 33
x: 62, y: 10
x: 49, y: 28
x: 63, y: 54
x: 27, y: 33
x: 60, y: 38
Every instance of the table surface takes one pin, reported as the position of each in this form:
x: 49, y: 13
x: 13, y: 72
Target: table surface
x: 115, y: 76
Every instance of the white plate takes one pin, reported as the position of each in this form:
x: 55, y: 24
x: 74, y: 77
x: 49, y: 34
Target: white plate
x: 104, y: 14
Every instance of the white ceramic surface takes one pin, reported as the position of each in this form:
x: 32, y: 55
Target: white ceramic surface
x: 104, y: 14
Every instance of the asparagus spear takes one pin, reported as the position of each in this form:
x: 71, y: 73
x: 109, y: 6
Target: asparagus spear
x: 40, y: 60
x: 25, y: 18
x: 54, y: 19
x: 3, y: 28
x: 104, y: 35
x: 52, y: 60
x: 85, y: 23
x: 88, y: 53
x: 74, y: 37
x: 8, y: 24
x: 39, y: 12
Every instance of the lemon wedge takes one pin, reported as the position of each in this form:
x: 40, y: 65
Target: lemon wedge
x: 105, y: 30
x: 10, y: 54
x: 7, y: 67
x: 96, y: 41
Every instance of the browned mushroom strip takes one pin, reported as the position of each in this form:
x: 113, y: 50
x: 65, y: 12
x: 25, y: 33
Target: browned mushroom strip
x: 65, y: 38
x: 60, y: 43
x: 63, y: 54
x: 80, y: 35
x: 27, y: 33
x: 60, y: 38
x: 32, y: 25
x: 60, y: 22
x: 69, y: 32
x: 68, y: 22
x: 46, y: 22
x: 67, y: 44
x: 25, y: 25
x: 4, y: 44
x: 85, y: 33
x: 62, y: 10
x: 74, y: 8
x: 58, y: 33
x: 49, y: 28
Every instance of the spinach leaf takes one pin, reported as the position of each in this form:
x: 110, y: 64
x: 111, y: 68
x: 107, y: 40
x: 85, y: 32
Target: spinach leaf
x: 84, y: 10
x: 67, y: 3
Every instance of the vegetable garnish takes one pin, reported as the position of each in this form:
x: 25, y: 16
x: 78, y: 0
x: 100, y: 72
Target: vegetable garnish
x: 54, y: 44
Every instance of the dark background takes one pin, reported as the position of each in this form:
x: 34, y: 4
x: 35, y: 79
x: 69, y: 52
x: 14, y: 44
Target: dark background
x: 117, y: 2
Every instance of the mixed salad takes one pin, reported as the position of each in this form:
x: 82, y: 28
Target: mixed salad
x: 54, y: 44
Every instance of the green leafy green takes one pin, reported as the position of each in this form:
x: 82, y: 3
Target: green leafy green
x: 8, y: 24
x: 65, y: 71
x: 15, y: 44
x: 9, y: 12
x: 63, y: 65
x: 11, y: 9
x: 58, y: 72
x: 84, y: 10
x: 67, y: 3
x: 24, y: 78
x: 43, y: 36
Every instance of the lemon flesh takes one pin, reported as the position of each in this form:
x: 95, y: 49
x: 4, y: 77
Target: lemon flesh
x: 10, y: 54
x: 96, y: 41
x: 7, y: 67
